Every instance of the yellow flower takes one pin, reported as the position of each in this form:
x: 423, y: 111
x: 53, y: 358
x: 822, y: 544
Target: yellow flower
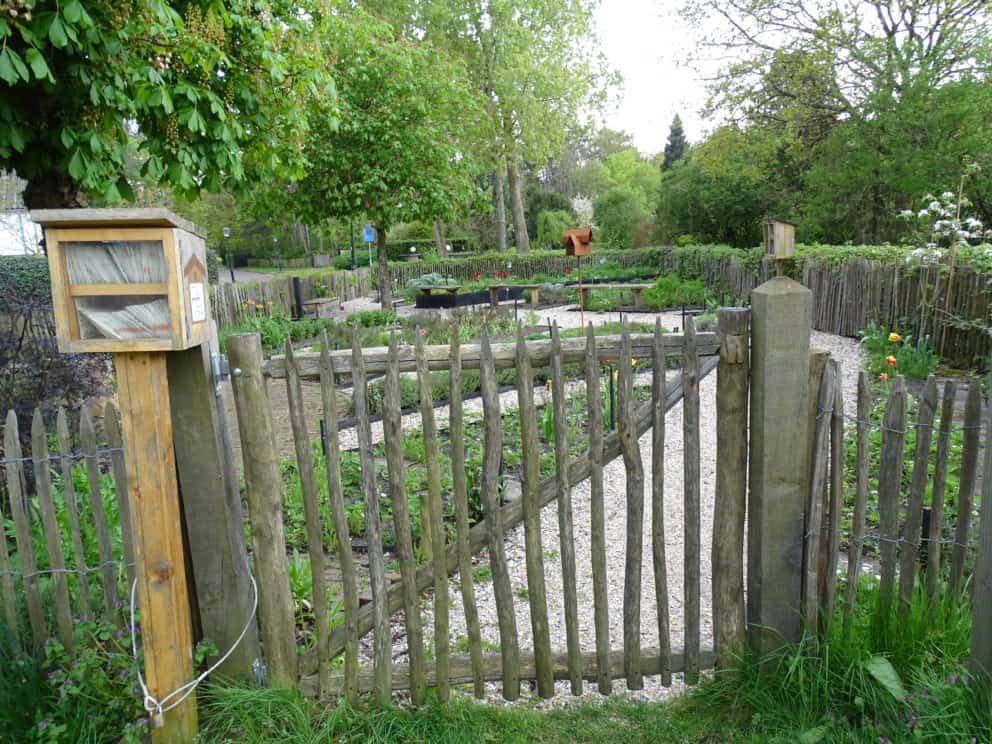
x: 547, y: 384
x: 894, y: 338
x: 890, y: 360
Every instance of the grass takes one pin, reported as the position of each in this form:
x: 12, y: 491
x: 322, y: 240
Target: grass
x: 862, y: 687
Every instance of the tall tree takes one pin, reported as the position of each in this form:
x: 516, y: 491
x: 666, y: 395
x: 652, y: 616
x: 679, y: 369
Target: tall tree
x: 521, y: 55
x: 676, y: 144
x: 217, y: 93
x: 395, y: 156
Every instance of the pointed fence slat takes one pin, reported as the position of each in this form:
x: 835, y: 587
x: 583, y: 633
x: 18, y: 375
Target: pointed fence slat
x: 533, y: 549
x: 936, y: 531
x: 860, y: 499
x: 349, y: 584
x: 730, y: 498
x: 836, y: 504
x: 981, y: 600
x: 566, y: 531
x: 459, y: 486
x: 495, y: 535
x: 658, y: 553
x: 118, y: 469
x: 889, y: 486
x: 597, y: 529
x: 966, y: 483
x: 50, y: 526
x: 108, y: 574
x: 435, y: 514
x: 382, y: 641
x: 263, y: 492
x: 691, y: 494
x: 72, y: 512
x: 14, y: 465
x: 926, y: 408
x: 7, y: 596
x: 315, y: 531
x: 392, y: 429
x: 627, y: 430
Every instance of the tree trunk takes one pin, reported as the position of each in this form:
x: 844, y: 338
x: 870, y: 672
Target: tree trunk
x: 521, y: 239
x: 439, y: 244
x: 498, y: 181
x: 53, y: 191
x: 385, y: 295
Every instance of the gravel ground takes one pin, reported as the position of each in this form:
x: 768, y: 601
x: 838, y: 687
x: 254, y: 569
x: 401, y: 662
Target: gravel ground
x: 847, y: 351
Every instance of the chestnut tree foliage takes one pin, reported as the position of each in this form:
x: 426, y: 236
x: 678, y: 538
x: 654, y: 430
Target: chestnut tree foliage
x: 216, y: 92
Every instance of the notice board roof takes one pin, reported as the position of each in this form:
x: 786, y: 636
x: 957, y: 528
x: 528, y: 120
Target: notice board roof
x: 106, y: 217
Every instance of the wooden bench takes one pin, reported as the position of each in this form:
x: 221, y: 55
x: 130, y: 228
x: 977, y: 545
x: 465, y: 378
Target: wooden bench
x: 494, y: 289
x: 449, y: 288
x: 636, y: 289
x: 320, y: 307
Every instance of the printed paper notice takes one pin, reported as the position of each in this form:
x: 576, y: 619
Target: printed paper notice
x: 197, y: 302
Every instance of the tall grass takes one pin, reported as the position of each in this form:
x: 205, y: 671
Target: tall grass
x: 906, y: 684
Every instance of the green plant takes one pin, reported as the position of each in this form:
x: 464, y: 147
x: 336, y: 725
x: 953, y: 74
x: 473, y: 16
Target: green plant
x: 90, y: 695
x: 373, y: 318
x: 482, y: 573
x: 672, y: 291
x: 889, y: 353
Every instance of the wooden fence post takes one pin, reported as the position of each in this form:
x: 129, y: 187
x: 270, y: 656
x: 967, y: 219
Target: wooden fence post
x: 264, y: 496
x: 780, y: 335
x: 981, y: 628
x: 211, y: 505
x: 730, y: 498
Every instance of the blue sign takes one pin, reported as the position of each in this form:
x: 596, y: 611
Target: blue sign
x: 368, y: 234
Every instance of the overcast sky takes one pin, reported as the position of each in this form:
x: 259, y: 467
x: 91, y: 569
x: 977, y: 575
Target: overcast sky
x: 648, y: 43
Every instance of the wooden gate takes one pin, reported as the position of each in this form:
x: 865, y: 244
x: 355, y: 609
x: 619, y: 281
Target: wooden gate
x: 449, y: 542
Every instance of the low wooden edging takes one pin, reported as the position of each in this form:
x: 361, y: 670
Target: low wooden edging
x: 578, y: 470
x: 504, y: 354
x: 460, y: 671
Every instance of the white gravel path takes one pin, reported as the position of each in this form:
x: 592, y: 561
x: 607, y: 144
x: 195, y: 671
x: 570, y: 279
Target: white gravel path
x: 847, y: 351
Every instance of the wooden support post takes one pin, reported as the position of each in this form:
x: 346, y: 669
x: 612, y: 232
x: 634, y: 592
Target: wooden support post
x: 780, y: 334
x: 731, y: 485
x: 211, y: 503
x: 264, y: 496
x: 143, y: 392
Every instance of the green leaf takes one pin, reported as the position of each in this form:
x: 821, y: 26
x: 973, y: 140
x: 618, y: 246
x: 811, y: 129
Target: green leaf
x: 68, y: 140
x: 814, y: 735
x: 77, y: 165
x: 57, y: 32
x: 885, y: 674
x: 38, y: 65
x: 72, y: 11
x: 16, y: 138
x: 7, y: 71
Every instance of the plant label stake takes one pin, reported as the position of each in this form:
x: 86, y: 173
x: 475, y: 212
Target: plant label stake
x: 133, y: 282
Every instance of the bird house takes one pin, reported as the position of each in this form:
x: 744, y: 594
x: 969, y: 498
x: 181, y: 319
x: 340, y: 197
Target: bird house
x: 126, y: 280
x: 577, y: 241
x: 780, y: 239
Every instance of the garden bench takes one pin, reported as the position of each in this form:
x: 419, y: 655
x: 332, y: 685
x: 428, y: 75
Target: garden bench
x: 636, y: 289
x: 494, y: 289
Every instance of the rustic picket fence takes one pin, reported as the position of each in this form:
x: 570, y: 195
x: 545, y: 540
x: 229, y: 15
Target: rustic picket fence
x: 951, y: 554
x: 47, y: 518
x: 849, y: 295
x: 232, y: 303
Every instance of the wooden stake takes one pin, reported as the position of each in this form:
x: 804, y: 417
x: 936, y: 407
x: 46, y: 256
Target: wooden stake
x: 143, y: 392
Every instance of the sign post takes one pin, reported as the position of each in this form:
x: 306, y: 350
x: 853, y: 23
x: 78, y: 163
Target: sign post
x: 368, y: 235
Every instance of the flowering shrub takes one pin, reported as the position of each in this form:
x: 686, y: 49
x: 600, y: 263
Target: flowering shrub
x: 891, y: 353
